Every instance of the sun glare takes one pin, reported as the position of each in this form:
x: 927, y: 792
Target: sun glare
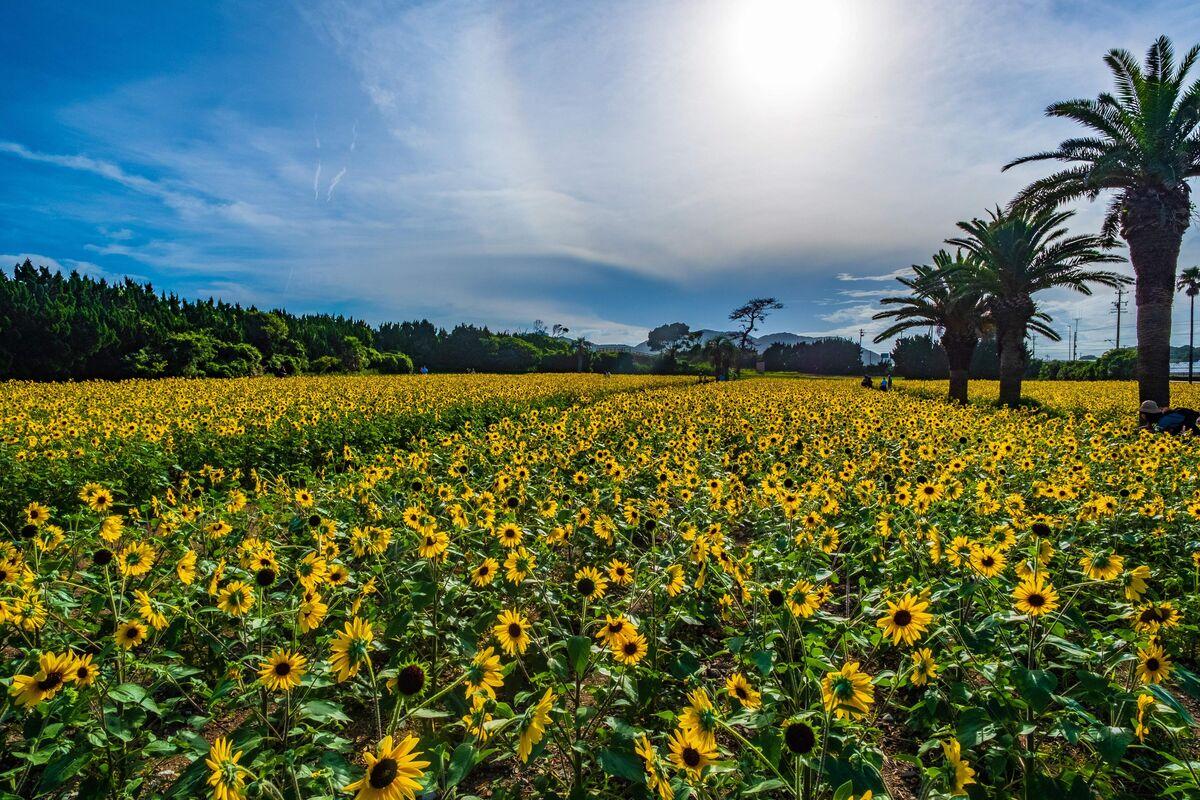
x: 780, y: 51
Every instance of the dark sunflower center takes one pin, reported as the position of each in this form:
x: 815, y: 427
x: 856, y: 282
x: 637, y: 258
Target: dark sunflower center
x: 410, y: 680
x: 383, y: 773
x: 283, y: 669
x: 133, y: 632
x: 1151, y: 615
x: 586, y: 586
x: 82, y: 673
x: 691, y: 757
x: 630, y: 648
x: 902, y: 618
x: 799, y: 738
x: 775, y: 597
x: 988, y: 562
x: 514, y: 630
x: 1036, y: 600
x: 52, y: 681
x: 265, y: 577
x: 615, y: 628
x: 484, y: 570
x: 741, y: 692
x: 1152, y: 664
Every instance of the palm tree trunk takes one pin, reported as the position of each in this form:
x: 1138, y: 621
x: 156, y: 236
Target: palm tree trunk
x: 1152, y: 225
x: 1192, y: 334
x: 960, y: 348
x: 1012, y: 364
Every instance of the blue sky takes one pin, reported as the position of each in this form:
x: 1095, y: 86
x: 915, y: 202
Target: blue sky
x: 606, y: 165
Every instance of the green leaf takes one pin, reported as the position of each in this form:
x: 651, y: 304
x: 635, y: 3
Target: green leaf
x: 461, y: 763
x: 844, y: 791
x: 127, y: 693
x: 621, y: 765
x: 1111, y: 743
x: 763, y: 660
x: 1164, y: 695
x: 766, y: 786
x: 578, y: 650
x: 322, y: 711
x: 1035, y: 685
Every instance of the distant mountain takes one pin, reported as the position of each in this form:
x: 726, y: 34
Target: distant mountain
x: 759, y: 343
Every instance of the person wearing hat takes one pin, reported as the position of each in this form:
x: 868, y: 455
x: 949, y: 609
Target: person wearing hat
x: 1156, y: 419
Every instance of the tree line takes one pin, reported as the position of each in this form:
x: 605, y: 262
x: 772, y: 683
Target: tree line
x: 1142, y: 146
x: 74, y: 327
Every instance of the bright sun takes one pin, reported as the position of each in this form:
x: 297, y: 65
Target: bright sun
x: 784, y: 50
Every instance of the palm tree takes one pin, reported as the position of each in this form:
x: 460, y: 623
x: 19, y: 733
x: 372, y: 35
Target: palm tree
x: 1015, y: 254
x: 1189, y: 283
x: 1145, y: 146
x: 722, y: 353
x: 582, y: 347
x: 939, y: 297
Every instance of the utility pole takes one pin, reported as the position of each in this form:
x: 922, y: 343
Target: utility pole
x: 1075, y: 343
x: 1119, y: 306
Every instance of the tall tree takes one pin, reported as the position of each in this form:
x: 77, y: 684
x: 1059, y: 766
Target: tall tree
x: 722, y: 353
x: 1144, y: 147
x: 1189, y: 283
x: 1016, y: 254
x: 750, y: 315
x: 942, y: 296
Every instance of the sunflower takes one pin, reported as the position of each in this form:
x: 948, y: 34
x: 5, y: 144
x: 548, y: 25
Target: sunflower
x: 136, y: 559
x: 483, y: 677
x: 1101, y: 565
x: 963, y: 774
x: 1135, y: 583
x: 614, y: 628
x: 1154, y: 665
x: 906, y: 620
x: 535, y: 727
x: 130, y: 634
x: 433, y: 542
x: 149, y: 611
x: 512, y: 630
x: 803, y: 600
x: 656, y: 780
x: 485, y: 573
x: 737, y: 686
x: 699, y: 718
x: 509, y: 534
x: 226, y: 777
x: 987, y: 560
x: 477, y: 718
x: 236, y: 598
x: 185, y: 568
x: 799, y: 737
x: 338, y: 574
x: 37, y: 514
x: 848, y: 693
x: 1035, y: 596
x: 590, y: 583
x: 629, y: 648
x: 283, y: 671
x: 1153, y: 616
x: 312, y: 571
x: 84, y: 669
x: 394, y: 772
x: 303, y: 498
x: 691, y: 753
x: 1141, y: 727
x: 620, y: 573
x: 350, y: 648
x: 54, y: 671
x: 924, y: 668
x: 519, y: 565
x: 312, y: 613
x: 675, y: 582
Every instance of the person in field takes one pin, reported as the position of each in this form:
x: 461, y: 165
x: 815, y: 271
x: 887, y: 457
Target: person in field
x: 1175, y: 421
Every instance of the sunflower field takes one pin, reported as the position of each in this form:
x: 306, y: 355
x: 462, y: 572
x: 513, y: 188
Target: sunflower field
x: 576, y: 587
